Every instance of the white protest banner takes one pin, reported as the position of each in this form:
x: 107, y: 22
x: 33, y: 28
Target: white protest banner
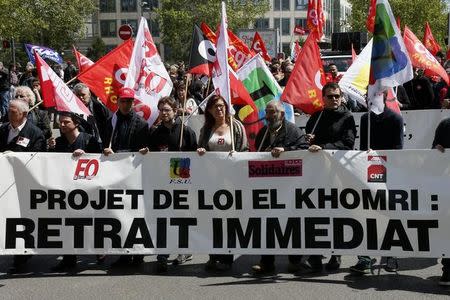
x: 388, y: 203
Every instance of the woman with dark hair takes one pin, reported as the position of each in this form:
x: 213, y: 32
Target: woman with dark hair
x: 215, y: 135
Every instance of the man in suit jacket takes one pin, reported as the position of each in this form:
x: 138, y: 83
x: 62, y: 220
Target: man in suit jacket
x: 19, y: 134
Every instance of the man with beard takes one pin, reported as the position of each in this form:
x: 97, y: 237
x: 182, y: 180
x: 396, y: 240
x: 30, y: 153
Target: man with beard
x: 166, y: 137
x: 276, y: 137
x: 333, y: 128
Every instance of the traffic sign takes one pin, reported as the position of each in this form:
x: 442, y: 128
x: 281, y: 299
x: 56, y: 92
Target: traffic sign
x: 125, y: 32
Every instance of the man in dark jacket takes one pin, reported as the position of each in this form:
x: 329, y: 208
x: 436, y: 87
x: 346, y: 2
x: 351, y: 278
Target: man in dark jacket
x: 126, y: 132
x: 20, y: 135
x: 386, y: 133
x: 166, y: 137
x: 278, y: 136
x: 332, y: 128
x: 441, y: 142
x: 96, y: 124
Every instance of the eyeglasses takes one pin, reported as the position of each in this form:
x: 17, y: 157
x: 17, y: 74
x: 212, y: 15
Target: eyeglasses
x: 219, y: 106
x: 331, y: 97
x: 166, y: 110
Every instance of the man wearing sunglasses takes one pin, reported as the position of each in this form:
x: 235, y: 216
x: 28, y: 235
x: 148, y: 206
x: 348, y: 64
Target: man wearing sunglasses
x: 333, y: 128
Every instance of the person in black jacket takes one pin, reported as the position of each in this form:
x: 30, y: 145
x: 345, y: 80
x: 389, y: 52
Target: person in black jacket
x: 166, y: 137
x: 332, y: 128
x: 96, y: 124
x: 441, y: 142
x: 77, y: 143
x: 278, y: 136
x: 20, y: 135
x: 37, y: 116
x: 386, y: 133
x: 126, y: 132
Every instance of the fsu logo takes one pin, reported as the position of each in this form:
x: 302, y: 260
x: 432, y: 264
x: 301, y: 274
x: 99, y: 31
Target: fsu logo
x: 377, y: 171
x: 180, y: 169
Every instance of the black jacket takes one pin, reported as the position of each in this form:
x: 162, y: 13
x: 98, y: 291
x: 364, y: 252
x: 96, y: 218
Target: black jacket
x: 86, y: 142
x: 442, y: 135
x: 386, y: 131
x: 130, y: 140
x: 289, y: 137
x: 35, y: 143
x: 162, y: 138
x: 335, y: 130
x: 41, y: 120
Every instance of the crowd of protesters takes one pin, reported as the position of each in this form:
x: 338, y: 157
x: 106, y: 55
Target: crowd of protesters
x: 27, y: 128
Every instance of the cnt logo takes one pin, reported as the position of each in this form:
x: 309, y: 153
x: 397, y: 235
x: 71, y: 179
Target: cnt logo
x: 179, y: 171
x: 376, y: 172
x: 86, y: 169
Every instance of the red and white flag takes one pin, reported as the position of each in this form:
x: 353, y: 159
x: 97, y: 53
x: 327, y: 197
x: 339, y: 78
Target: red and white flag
x: 221, y: 70
x: 258, y: 46
x: 315, y: 18
x: 304, y: 87
x: 83, y: 62
x: 147, y: 75
x: 55, y: 92
x: 107, y: 76
x: 429, y: 41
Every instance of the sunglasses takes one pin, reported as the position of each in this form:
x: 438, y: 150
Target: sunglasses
x: 333, y: 96
x: 126, y: 100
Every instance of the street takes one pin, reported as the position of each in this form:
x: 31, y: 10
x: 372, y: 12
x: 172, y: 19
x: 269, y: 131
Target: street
x: 417, y: 278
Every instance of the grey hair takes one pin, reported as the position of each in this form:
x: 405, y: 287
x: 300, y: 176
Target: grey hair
x: 22, y: 106
x: 277, y: 104
x: 79, y: 87
x: 27, y: 91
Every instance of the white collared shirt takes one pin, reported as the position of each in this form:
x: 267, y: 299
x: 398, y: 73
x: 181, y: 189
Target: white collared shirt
x: 13, y: 132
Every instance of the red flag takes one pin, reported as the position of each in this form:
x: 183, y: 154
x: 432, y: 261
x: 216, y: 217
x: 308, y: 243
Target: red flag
x: 353, y: 54
x: 391, y: 101
x: 55, y: 92
x: 108, y: 74
x: 315, y: 19
x: 299, y: 30
x: 448, y: 54
x: 258, y: 46
x: 209, y: 33
x: 83, y: 62
x: 421, y: 57
x: 239, y: 50
x: 398, y: 23
x: 429, y: 41
x: 304, y: 88
x: 370, y: 23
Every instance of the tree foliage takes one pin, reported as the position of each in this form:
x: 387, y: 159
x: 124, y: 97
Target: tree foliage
x: 413, y: 14
x: 177, y: 19
x: 56, y: 24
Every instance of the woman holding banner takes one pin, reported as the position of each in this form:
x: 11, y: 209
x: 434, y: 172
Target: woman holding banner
x: 221, y: 132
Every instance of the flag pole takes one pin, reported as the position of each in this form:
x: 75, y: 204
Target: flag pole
x: 369, y: 105
x: 188, y: 77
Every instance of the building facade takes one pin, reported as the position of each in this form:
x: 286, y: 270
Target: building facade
x: 283, y: 15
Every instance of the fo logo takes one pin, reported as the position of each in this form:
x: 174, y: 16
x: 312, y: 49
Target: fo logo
x: 180, y: 169
x: 86, y: 169
x: 377, y: 171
